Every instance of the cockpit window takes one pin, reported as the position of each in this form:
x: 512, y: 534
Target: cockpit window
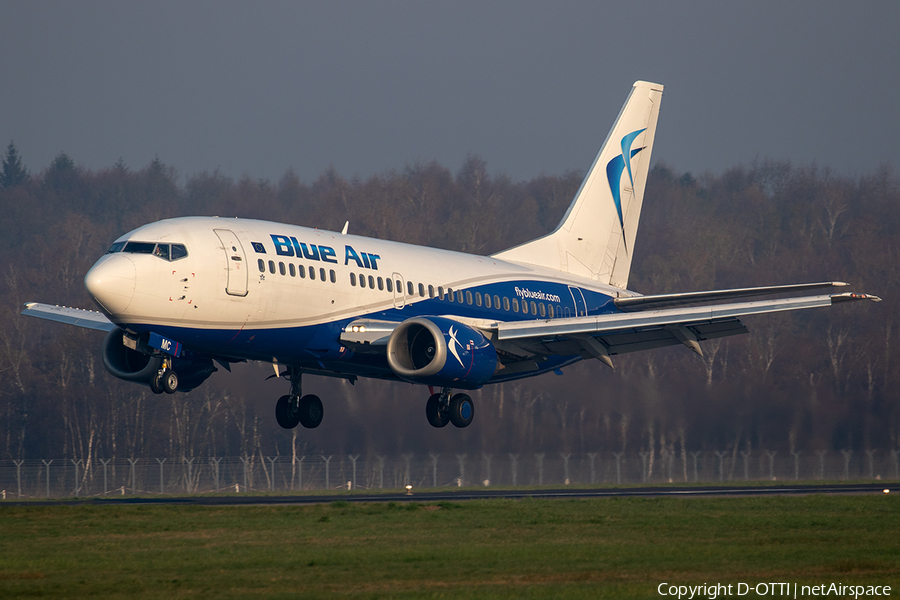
x: 140, y: 247
x: 168, y: 252
x: 178, y: 251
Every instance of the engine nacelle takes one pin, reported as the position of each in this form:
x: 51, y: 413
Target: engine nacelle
x: 132, y: 365
x: 441, y: 352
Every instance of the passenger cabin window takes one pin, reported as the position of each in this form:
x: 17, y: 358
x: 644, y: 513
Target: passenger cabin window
x: 353, y: 279
x: 281, y: 268
x: 478, y: 298
x: 390, y: 285
x: 292, y: 269
x: 272, y: 267
x: 332, y: 276
x: 468, y: 298
x: 505, y: 303
x: 262, y: 265
x: 409, y: 288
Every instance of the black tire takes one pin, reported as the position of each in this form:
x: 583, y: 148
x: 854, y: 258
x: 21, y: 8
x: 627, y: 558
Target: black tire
x: 436, y: 416
x: 285, y: 413
x: 156, y: 385
x: 170, y: 381
x: 462, y: 410
x: 310, y: 411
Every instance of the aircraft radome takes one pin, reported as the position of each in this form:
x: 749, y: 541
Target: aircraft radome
x: 182, y: 294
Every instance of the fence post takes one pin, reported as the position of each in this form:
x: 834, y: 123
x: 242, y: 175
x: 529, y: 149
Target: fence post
x: 189, y: 484
x: 565, y: 458
x: 618, y: 456
x: 721, y: 456
x: 514, y: 458
x: 461, y: 459
x: 300, y: 473
x: 434, y: 461
x: 380, y: 472
x: 271, y: 472
x: 796, y: 465
x: 871, y: 455
x: 406, y: 477
x: 487, y: 462
x: 745, y: 454
x: 246, y: 460
x: 104, y: 463
x: 47, y: 464
x: 644, y: 456
x: 821, y: 454
x: 353, y: 459
x: 847, y: 454
x: 592, y: 456
x: 18, y: 464
x: 161, y: 474
x: 215, y: 462
x: 327, y: 460
x: 895, y: 456
x: 133, y: 461
x: 771, y: 455
x: 695, y: 455
x: 77, y: 464
x: 539, y: 458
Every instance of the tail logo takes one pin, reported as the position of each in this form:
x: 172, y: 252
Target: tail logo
x: 616, y: 167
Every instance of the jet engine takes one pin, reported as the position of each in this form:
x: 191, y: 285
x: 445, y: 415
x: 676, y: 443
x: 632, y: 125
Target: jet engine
x: 131, y: 364
x: 441, y: 352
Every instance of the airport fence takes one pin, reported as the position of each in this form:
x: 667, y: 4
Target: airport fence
x: 49, y: 478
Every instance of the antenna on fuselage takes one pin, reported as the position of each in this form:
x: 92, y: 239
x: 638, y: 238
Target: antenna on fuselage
x: 346, y: 226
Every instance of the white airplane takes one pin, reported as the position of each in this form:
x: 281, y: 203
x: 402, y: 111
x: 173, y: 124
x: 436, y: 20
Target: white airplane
x: 180, y: 294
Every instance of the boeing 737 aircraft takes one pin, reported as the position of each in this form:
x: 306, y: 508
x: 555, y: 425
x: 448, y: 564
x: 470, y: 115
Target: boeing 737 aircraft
x: 181, y: 295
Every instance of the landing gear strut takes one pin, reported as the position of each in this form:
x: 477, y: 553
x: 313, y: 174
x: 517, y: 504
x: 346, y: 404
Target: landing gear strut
x: 295, y: 409
x: 443, y: 408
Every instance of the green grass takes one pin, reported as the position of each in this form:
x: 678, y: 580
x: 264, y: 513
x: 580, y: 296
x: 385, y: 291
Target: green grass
x: 617, y: 548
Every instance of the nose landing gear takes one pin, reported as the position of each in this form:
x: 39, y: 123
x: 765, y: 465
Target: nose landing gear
x: 165, y: 380
x: 443, y: 408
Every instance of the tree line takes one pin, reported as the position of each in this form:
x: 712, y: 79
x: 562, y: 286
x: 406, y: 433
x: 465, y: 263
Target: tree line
x: 825, y: 379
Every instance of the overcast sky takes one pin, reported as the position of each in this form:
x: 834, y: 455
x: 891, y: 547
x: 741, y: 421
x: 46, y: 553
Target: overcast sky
x: 257, y: 88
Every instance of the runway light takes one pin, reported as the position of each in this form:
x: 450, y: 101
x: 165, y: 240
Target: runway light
x: 409, y: 490
x: 887, y: 491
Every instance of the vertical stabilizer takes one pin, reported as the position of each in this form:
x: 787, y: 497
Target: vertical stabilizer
x: 596, y: 236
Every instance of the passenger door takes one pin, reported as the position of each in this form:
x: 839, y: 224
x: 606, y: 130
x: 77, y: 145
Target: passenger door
x: 236, y: 263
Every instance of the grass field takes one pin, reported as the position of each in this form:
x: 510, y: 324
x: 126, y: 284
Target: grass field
x: 603, y: 548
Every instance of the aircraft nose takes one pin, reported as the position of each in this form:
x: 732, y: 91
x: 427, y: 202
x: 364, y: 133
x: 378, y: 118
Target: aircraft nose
x: 110, y: 282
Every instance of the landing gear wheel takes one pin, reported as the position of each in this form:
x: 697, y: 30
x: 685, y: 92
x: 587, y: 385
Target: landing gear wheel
x: 156, y: 384
x: 170, y: 381
x: 438, y: 416
x: 310, y: 411
x: 462, y: 410
x: 286, y: 412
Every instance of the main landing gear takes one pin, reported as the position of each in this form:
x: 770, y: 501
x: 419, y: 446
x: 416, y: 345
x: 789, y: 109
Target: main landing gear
x: 165, y: 380
x: 295, y: 409
x: 443, y: 408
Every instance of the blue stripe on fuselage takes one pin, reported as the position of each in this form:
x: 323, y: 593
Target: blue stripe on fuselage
x: 319, y: 347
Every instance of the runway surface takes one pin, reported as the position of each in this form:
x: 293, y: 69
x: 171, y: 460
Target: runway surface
x: 473, y: 494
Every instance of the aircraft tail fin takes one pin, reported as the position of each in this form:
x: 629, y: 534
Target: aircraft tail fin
x: 595, y: 238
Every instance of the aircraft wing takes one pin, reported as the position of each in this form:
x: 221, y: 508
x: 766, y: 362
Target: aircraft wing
x: 602, y: 336
x: 90, y: 319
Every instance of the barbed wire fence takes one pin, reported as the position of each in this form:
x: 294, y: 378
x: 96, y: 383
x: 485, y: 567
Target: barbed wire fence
x: 56, y: 478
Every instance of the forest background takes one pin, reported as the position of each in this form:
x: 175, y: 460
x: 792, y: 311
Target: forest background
x: 811, y: 380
